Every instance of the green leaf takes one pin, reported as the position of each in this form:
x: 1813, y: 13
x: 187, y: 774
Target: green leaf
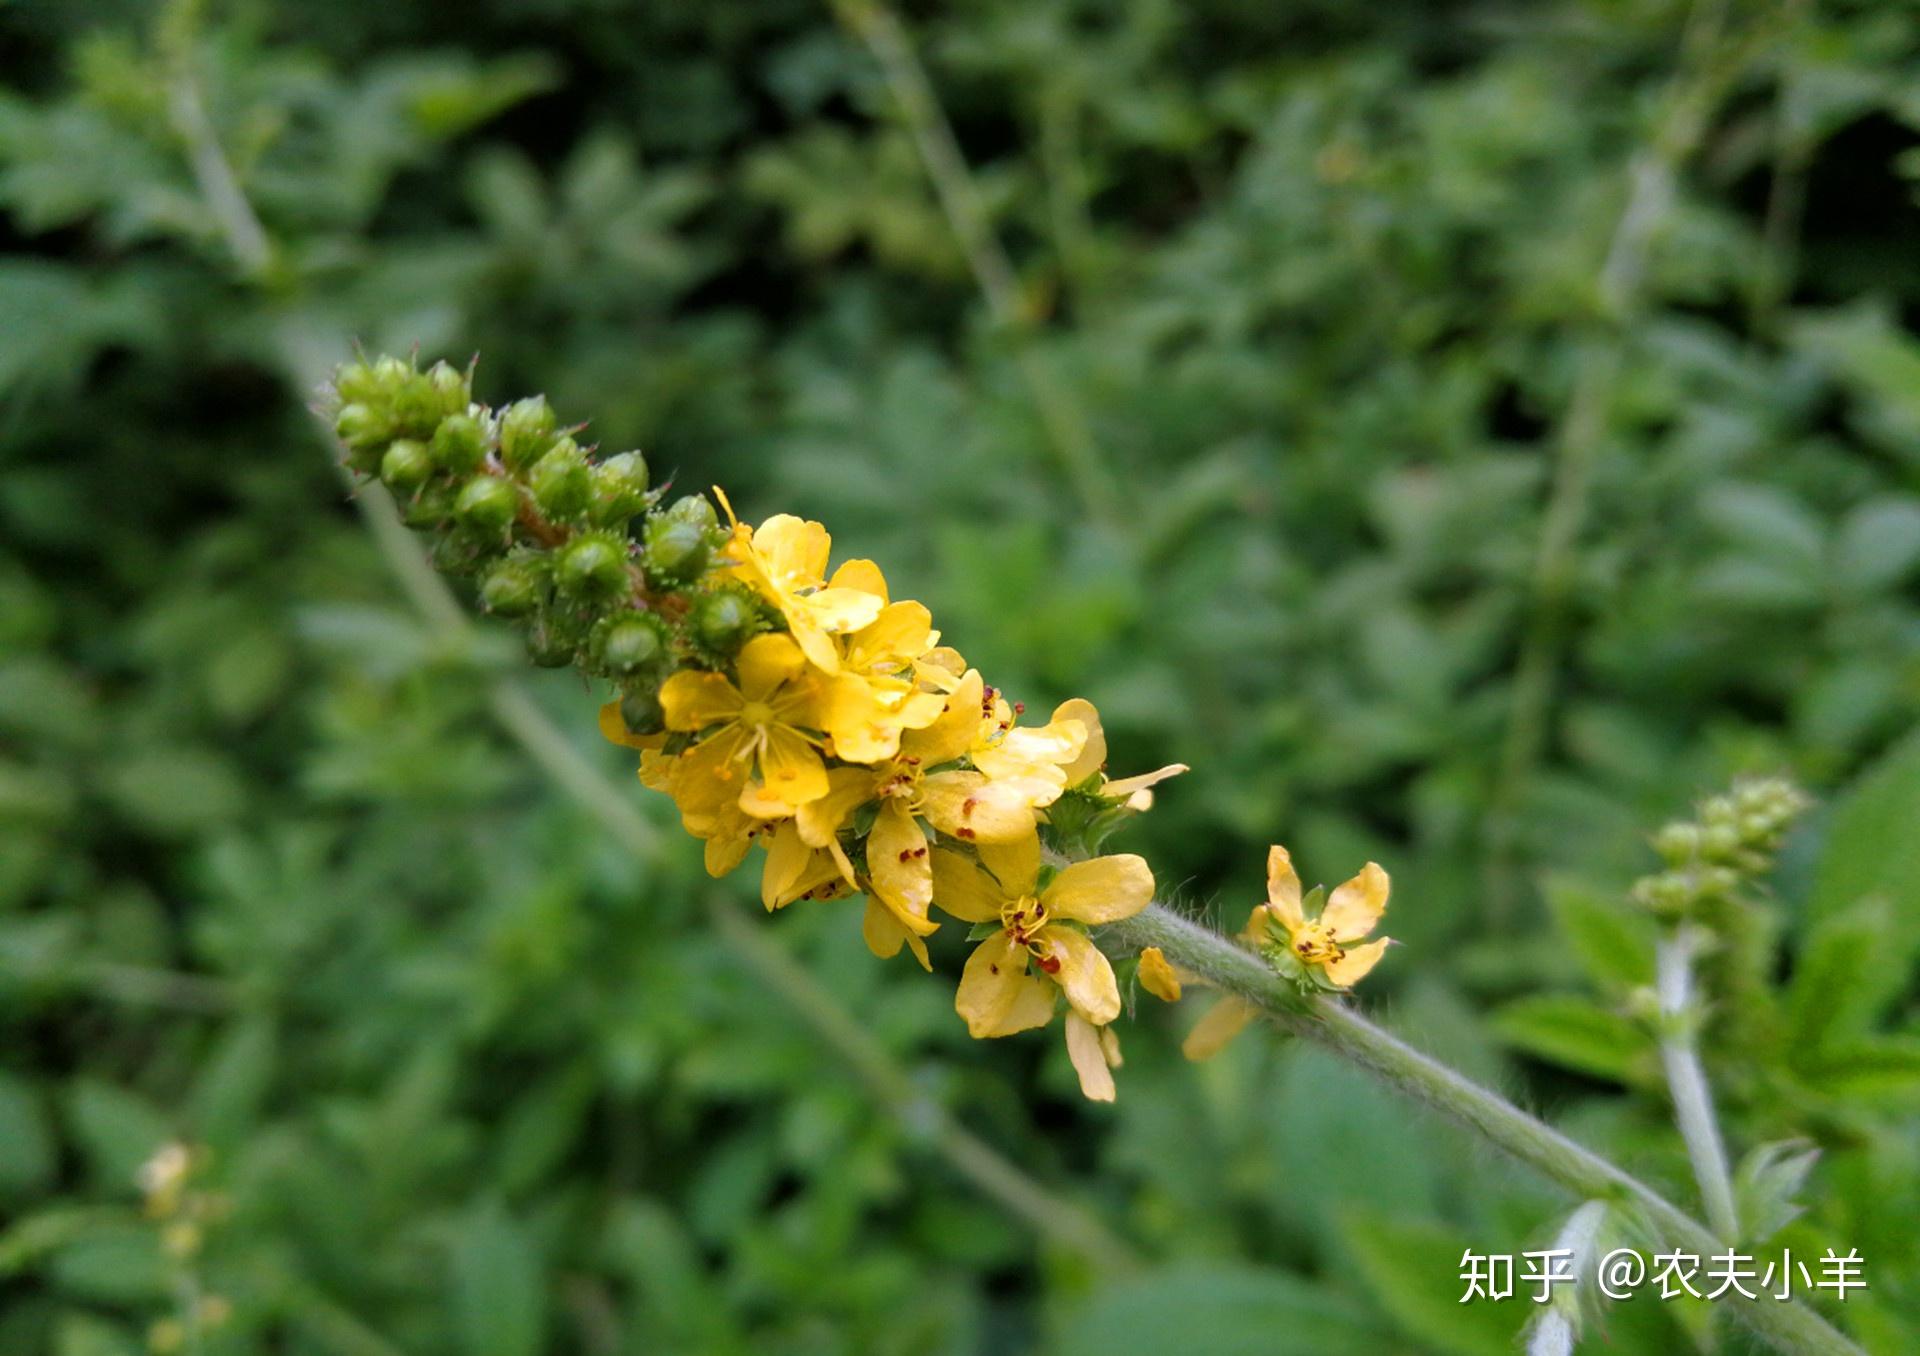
x: 1413, y: 1269
x: 118, y: 1131
x: 1853, y: 964
x: 1574, y: 1031
x: 122, y: 1265
x: 235, y: 1080
x: 1613, y: 941
x: 1767, y: 1185
x: 499, y: 1291
x: 1879, y: 544
x: 27, y: 1150
x: 1871, y: 847
x: 1886, y: 1069
x: 1216, y: 1310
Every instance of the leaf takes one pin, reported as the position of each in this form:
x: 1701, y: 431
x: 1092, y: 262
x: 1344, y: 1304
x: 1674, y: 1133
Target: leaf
x: 1766, y: 1187
x: 499, y: 1291
x: 1853, y: 964
x: 1879, y: 544
x: 1613, y: 942
x: 117, y: 1130
x: 1216, y: 1310
x: 1886, y: 1069
x: 1870, y: 847
x: 1412, y: 1268
x: 1570, y: 1030
x: 27, y: 1149
x: 235, y: 1080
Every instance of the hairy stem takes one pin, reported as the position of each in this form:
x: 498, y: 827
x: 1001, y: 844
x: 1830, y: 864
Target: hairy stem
x: 1687, y: 1079
x: 1330, y: 1023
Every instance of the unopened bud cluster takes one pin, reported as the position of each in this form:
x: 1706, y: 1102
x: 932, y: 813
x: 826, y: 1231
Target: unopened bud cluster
x: 1731, y: 840
x: 577, y: 547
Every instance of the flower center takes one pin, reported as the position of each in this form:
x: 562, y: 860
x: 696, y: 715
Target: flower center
x: 1313, y: 944
x: 1022, y: 918
x: 756, y: 714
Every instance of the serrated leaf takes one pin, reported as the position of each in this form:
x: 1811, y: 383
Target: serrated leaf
x: 1221, y: 1310
x: 1613, y: 941
x: 1767, y: 1186
x: 1574, y: 1031
x: 1412, y: 1268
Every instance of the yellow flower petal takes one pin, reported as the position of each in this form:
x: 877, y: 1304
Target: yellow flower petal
x: 724, y: 854
x: 1352, y: 967
x: 962, y: 889
x: 990, y: 986
x: 863, y: 575
x: 885, y: 935
x: 1354, y: 908
x: 1128, y: 787
x: 841, y: 612
x: 1089, y: 1060
x: 693, y: 700
x: 901, y: 632
x: 863, y: 728
x: 787, y: 858
x: 951, y: 732
x: 897, y: 861
x: 848, y: 788
x: 965, y: 805
x: 1224, y: 1020
x: 792, y: 768
x: 614, y: 729
x: 1083, y: 973
x: 765, y: 663
x: 1037, y: 752
x: 1093, y: 752
x: 1283, y: 888
x: 794, y: 550
x: 1157, y: 976
x: 1015, y: 865
x: 1110, y: 1047
x: 1032, y: 1006
x: 1103, y: 890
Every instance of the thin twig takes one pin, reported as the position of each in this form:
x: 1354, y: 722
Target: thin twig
x: 1066, y: 425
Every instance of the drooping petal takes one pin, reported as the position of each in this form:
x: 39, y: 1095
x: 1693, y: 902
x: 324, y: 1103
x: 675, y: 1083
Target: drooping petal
x: 614, y: 729
x: 1032, y: 1006
x: 990, y: 985
x: 1093, y: 752
x: 847, y: 789
x: 1103, y: 890
x: 765, y: 663
x: 1224, y: 1020
x: 1354, y: 908
x: 1157, y: 976
x: 693, y: 700
x: 724, y: 854
x: 1351, y: 968
x: 1283, y: 888
x: 1110, y: 1047
x: 1127, y: 787
x: 1089, y: 1060
x: 897, y: 861
x: 885, y: 935
x: 791, y: 767
x: 1084, y: 974
x: 965, y: 805
x: 952, y: 731
x: 787, y: 858
x: 1015, y: 865
x: 962, y: 889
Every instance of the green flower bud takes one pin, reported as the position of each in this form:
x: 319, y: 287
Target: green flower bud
x: 643, y: 713
x: 449, y: 384
x: 406, y: 465
x: 1678, y: 842
x: 630, y: 642
x: 549, y: 645
x: 619, y: 489
x: 679, y: 542
x: 456, y: 554
x: 593, y: 567
x: 416, y: 405
x: 355, y: 383
x: 512, y: 588
x: 722, y: 622
x: 487, y: 504
x: 460, y: 444
x: 430, y: 508
x: 361, y: 427
x: 526, y: 432
x: 562, y: 481
x: 1719, y: 841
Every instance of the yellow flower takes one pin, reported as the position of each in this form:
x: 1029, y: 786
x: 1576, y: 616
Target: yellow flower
x: 998, y: 994
x: 794, y: 870
x: 878, y: 691
x: 1324, y: 945
x: 1135, y: 791
x: 785, y: 558
x: 1017, y: 771
x: 759, y: 747
x: 1094, y: 1050
x: 1230, y: 1016
x: 1157, y: 977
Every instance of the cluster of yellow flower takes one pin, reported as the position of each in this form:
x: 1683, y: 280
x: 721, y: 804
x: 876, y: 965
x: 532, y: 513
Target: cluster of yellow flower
x: 864, y: 756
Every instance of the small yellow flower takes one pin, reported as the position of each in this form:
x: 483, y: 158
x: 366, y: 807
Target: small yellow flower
x: 794, y: 870
x: 760, y: 746
x: 1137, y: 791
x: 998, y: 994
x: 878, y: 692
x: 1157, y: 977
x: 785, y: 559
x: 1324, y: 945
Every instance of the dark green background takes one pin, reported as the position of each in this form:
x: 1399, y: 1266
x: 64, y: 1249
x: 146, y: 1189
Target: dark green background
x: 1317, y: 284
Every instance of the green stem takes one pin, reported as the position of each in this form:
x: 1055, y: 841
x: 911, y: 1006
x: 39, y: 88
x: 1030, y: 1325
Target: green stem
x: 1687, y: 1079
x: 1330, y: 1023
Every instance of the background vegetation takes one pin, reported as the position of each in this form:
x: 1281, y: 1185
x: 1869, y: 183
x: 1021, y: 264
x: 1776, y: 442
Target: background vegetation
x: 1465, y: 433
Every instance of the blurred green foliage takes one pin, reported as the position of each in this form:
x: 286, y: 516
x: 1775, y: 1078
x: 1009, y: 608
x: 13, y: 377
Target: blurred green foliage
x: 1319, y: 285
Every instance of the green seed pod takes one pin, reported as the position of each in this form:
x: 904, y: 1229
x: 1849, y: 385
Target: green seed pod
x: 619, y: 489
x: 642, y: 712
x: 512, y: 588
x: 456, y: 554
x: 593, y: 567
x: 526, y: 432
x: 355, y: 383
x: 416, y: 406
x: 449, y: 385
x: 430, y: 508
x: 562, y: 481
x: 549, y: 646
x: 679, y: 542
x: 722, y: 622
x: 487, y: 504
x: 406, y: 465
x: 630, y: 642
x: 361, y: 427
x: 460, y: 444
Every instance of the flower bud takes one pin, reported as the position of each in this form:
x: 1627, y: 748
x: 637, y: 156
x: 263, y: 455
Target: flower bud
x: 460, y: 444
x: 679, y: 542
x: 406, y: 465
x: 642, y: 712
x: 1678, y: 842
x: 430, y: 507
x: 722, y: 622
x: 512, y: 588
x: 562, y: 481
x: 549, y: 645
x: 1718, y: 841
x: 630, y: 642
x: 355, y: 383
x: 619, y: 488
x: 593, y: 567
x: 487, y: 504
x: 416, y: 405
x: 449, y: 385
x: 526, y: 432
x: 360, y: 426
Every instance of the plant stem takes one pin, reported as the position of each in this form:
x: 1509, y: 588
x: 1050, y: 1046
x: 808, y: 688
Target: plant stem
x: 1330, y: 1023
x: 1687, y: 1078
x: 1554, y: 1332
x: 1066, y: 425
